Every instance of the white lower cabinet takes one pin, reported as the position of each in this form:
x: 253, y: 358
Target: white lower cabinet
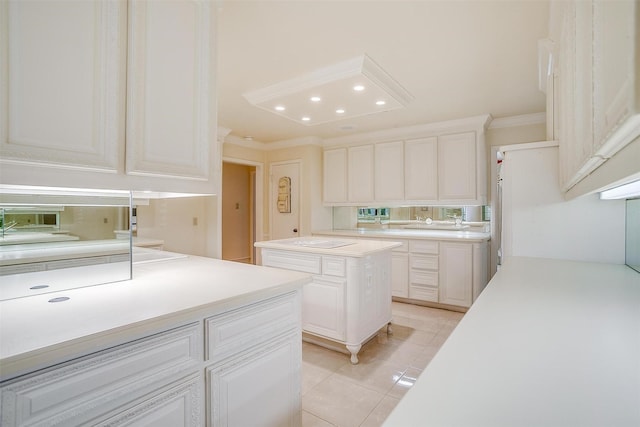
x: 456, y: 273
x: 400, y: 274
x: 241, y: 369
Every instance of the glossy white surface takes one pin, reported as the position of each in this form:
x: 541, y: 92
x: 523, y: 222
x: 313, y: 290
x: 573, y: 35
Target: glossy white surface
x: 40, y: 252
x: 465, y: 235
x: 349, y: 248
x: 36, y: 333
x: 548, y: 343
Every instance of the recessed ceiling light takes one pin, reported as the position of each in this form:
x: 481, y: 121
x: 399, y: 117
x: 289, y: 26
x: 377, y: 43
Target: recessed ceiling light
x: 340, y: 111
x: 306, y: 119
x: 358, y: 88
x: 280, y: 108
x: 380, y: 102
x: 315, y: 99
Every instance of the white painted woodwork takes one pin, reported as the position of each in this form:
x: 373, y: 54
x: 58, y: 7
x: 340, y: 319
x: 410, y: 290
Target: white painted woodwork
x: 347, y: 310
x: 62, y: 94
x: 93, y: 386
x: 360, y: 173
x: 443, y: 164
x: 389, y: 171
x: 335, y: 175
x: 400, y: 270
x: 595, y: 82
x: 456, y: 273
x: 457, y: 159
x: 246, y: 355
x: 438, y: 270
x: 74, y: 70
x: 421, y: 169
x: 169, y: 80
x: 260, y: 387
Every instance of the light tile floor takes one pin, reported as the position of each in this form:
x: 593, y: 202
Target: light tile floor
x: 337, y: 393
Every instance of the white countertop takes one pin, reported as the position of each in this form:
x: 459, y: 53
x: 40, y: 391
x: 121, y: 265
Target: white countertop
x: 36, y: 333
x: 399, y: 233
x: 548, y: 343
x: 319, y: 245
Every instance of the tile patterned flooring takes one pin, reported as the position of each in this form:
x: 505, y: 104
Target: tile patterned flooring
x: 337, y: 393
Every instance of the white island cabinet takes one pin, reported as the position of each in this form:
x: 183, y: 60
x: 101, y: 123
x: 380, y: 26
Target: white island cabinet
x: 349, y: 298
x: 188, y: 342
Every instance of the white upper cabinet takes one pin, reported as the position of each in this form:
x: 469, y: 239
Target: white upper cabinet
x: 335, y: 175
x: 360, y: 173
x: 63, y: 83
x: 169, y: 96
x: 457, y: 167
x: 421, y: 169
x: 389, y: 171
x: 75, y: 69
x: 440, y: 163
x: 596, y: 87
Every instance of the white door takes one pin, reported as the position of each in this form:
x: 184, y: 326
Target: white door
x: 285, y: 200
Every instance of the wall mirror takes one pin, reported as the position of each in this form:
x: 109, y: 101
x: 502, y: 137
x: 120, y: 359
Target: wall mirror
x: 58, y: 239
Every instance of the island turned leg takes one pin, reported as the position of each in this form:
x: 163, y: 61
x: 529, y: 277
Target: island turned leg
x: 354, y: 349
x: 389, y: 329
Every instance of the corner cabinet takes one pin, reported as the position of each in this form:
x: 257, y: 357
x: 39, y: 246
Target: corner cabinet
x: 85, y: 100
x: 195, y: 374
x: 436, y: 164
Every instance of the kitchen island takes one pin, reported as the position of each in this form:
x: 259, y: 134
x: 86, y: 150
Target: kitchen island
x: 548, y: 343
x: 349, y: 299
x: 179, y: 344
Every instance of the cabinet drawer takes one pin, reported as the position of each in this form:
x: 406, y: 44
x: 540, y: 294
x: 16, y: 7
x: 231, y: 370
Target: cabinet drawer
x: 424, y: 262
x: 307, y: 263
x: 426, y: 278
x: 423, y: 246
x: 249, y: 326
x: 332, y: 266
x: 76, y: 392
x: 424, y: 293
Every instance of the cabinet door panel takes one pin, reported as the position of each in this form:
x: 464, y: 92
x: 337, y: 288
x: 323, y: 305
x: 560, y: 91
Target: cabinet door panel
x: 174, y: 406
x: 335, y: 175
x: 323, y: 302
x: 421, y: 169
x: 361, y: 176
x: 389, y: 171
x: 457, y: 167
x: 258, y: 389
x: 400, y: 274
x: 62, y: 94
x: 169, y: 79
x: 456, y: 273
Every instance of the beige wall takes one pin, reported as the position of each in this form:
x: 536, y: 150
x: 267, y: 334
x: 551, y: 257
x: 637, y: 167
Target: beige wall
x: 313, y: 216
x: 92, y: 222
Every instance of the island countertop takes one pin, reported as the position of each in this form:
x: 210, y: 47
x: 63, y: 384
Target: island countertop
x: 327, y: 246
x: 548, y: 343
x: 409, y: 233
x: 35, y: 333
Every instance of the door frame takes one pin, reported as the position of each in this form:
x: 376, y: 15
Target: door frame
x: 258, y: 202
x: 272, y: 196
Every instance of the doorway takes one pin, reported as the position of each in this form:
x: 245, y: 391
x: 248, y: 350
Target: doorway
x: 240, y: 210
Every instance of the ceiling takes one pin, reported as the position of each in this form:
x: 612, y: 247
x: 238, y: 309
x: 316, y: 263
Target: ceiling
x: 457, y: 58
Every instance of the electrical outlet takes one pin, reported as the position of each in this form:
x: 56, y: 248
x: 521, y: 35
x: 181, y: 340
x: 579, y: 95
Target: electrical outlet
x: 195, y: 220
x: 105, y: 220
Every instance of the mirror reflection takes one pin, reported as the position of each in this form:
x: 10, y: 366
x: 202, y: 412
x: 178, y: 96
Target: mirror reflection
x: 53, y: 240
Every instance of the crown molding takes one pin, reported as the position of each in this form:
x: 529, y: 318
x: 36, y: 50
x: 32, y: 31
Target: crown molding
x: 521, y: 120
x: 475, y: 123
